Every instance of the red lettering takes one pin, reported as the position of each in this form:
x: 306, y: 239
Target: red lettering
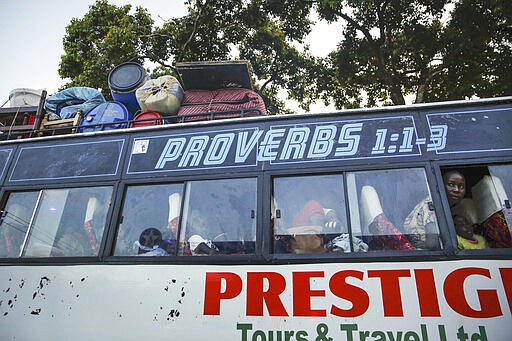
x: 454, y: 292
x: 427, y: 293
x: 390, y: 287
x: 266, y: 290
x: 302, y: 294
x: 256, y: 295
x: 355, y: 295
x: 506, y: 278
x: 213, y: 293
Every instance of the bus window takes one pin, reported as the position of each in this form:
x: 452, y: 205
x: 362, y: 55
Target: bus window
x: 309, y: 215
x: 14, y: 223
x: 56, y: 222
x: 219, y: 217
x: 149, y: 220
x: 393, y: 210
x: 480, y: 205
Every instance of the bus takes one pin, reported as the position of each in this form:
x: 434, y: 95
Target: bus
x: 390, y: 223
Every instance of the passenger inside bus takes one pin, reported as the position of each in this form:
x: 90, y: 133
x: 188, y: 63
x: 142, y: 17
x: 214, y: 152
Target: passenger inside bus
x: 308, y: 224
x: 151, y: 243
x: 483, y: 210
x: 421, y: 225
x: 309, y: 216
x: 197, y: 244
x: 467, y: 239
x: 82, y: 222
x: 455, y: 187
x: 312, y: 231
x: 154, y: 206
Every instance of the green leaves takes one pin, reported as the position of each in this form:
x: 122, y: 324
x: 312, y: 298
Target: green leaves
x: 105, y: 37
x: 432, y: 50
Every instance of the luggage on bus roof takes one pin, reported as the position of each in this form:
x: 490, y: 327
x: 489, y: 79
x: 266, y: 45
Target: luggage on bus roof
x: 211, y: 75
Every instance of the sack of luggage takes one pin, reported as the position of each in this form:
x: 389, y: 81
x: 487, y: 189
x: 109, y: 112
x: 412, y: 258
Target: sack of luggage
x: 221, y: 103
x: 163, y: 95
x: 66, y: 103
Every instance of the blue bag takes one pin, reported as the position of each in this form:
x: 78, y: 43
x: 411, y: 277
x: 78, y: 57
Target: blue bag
x: 67, y: 102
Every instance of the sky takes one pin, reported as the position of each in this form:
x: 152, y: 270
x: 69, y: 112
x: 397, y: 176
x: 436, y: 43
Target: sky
x: 31, y: 33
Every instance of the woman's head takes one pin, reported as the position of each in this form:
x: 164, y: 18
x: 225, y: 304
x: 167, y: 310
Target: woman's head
x: 455, y: 186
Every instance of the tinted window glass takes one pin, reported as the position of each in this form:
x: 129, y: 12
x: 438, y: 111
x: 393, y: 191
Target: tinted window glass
x: 393, y: 210
x: 15, y: 221
x: 219, y: 217
x: 309, y: 215
x: 149, y: 221
x: 55, y: 222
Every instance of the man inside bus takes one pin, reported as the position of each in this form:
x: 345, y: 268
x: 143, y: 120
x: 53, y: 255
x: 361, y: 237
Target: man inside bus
x: 313, y: 229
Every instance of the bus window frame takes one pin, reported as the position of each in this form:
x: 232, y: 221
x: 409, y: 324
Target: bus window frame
x: 446, y: 239
x: 498, y: 253
x: 255, y: 258
x: 7, y: 190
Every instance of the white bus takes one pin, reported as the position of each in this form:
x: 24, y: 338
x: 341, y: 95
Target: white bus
x: 335, y: 226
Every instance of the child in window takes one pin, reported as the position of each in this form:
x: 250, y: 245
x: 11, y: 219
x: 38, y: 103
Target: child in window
x: 466, y: 238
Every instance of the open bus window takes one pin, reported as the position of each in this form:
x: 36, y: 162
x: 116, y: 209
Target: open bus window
x: 309, y: 216
x: 55, y: 222
x: 393, y: 210
x: 480, y: 205
x: 219, y: 217
x: 149, y: 220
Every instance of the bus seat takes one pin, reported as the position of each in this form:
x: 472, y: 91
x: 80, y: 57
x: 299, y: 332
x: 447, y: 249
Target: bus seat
x: 486, y: 195
x: 92, y: 206
x: 370, y: 205
x: 384, y: 235
x: 174, y: 211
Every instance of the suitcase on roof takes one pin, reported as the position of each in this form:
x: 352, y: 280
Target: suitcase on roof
x: 200, y: 105
x: 218, y: 89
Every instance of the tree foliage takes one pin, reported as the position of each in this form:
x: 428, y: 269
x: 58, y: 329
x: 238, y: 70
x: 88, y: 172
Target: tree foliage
x: 106, y: 36
x: 433, y: 50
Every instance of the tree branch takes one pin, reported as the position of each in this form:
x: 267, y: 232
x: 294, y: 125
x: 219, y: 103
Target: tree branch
x: 272, y: 74
x: 422, y: 88
x: 182, y: 52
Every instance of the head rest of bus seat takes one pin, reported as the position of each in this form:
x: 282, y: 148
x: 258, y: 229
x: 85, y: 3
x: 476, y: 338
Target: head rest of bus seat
x: 370, y: 205
x: 488, y: 194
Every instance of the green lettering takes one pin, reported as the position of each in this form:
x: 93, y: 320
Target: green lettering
x: 301, y: 335
x: 381, y: 335
x: 363, y: 335
x: 260, y: 334
x: 442, y: 332
x: 424, y: 333
x: 392, y: 337
x: 411, y: 336
x: 480, y: 337
x: 244, y: 327
x: 288, y: 335
x: 349, y: 328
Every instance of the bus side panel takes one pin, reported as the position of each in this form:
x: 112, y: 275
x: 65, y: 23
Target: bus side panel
x: 373, y: 301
